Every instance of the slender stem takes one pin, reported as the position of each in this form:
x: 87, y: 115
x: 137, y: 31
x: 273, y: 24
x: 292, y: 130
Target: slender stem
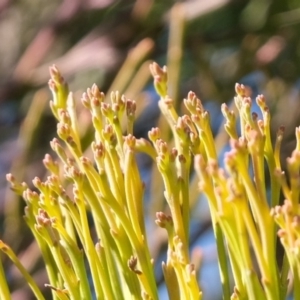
x: 223, y: 266
x: 296, y: 283
x: 91, y: 254
x: 284, y: 276
x: 4, y: 290
x: 8, y: 251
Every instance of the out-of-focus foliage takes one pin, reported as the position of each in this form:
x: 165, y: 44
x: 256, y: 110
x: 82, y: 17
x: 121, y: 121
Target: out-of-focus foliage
x: 209, y: 45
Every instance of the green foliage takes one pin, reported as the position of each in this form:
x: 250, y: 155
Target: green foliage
x: 103, y: 184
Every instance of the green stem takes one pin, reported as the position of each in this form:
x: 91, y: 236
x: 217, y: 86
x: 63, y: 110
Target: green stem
x: 125, y: 251
x: 296, y: 283
x: 185, y: 206
x: 103, y: 232
x: 48, y: 259
x: 4, y: 290
x: 35, y: 289
x: 109, y: 260
x: 91, y: 254
x: 171, y: 194
x: 284, y: 276
x: 222, y: 259
x: 139, y: 246
x: 133, y: 192
x: 236, y: 270
x: 76, y: 257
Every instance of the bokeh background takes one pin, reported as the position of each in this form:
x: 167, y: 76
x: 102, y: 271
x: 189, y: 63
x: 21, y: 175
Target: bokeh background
x: 208, y: 47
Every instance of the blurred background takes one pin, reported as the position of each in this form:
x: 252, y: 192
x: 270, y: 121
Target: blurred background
x: 208, y: 46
